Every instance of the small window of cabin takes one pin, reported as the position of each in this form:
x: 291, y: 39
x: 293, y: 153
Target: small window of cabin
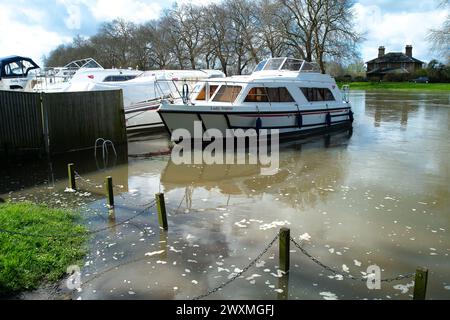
x: 118, y: 78
x: 202, y: 94
x: 262, y: 94
x: 318, y: 94
x: 227, y: 93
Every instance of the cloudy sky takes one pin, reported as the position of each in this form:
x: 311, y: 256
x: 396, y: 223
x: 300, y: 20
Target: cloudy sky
x: 35, y: 27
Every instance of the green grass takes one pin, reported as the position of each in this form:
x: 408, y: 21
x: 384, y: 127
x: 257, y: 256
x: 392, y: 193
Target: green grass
x: 398, y: 86
x: 27, y: 262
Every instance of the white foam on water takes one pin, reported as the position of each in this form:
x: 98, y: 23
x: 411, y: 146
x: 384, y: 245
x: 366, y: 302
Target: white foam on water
x: 253, y: 276
x: 305, y: 237
x: 328, y: 295
x: 274, y: 224
x: 279, y: 290
x: 404, y: 288
x: 154, y: 253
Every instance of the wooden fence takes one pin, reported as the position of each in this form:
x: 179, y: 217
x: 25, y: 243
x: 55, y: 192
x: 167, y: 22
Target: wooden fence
x: 51, y: 123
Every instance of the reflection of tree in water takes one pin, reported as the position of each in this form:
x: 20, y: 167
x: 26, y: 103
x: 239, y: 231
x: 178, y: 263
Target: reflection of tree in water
x: 306, y: 169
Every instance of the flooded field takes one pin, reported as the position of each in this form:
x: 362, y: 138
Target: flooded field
x: 377, y: 195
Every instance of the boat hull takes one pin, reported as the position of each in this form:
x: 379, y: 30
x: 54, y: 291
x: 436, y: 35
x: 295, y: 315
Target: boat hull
x: 288, y: 122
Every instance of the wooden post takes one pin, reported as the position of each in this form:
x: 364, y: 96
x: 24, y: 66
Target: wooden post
x: 420, y: 284
x: 162, y: 214
x: 109, y: 191
x: 283, y: 284
x: 284, y: 249
x: 71, y: 172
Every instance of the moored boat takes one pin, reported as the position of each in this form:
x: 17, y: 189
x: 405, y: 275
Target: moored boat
x: 287, y: 94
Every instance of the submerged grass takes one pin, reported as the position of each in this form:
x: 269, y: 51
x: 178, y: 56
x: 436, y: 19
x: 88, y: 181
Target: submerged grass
x: 29, y: 261
x: 407, y: 86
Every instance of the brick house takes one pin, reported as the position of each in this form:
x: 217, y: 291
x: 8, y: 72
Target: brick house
x: 393, y: 64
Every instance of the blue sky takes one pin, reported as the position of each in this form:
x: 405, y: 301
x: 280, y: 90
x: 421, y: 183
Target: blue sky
x: 35, y: 27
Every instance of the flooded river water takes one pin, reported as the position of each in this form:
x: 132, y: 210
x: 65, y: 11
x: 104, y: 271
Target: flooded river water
x: 379, y: 195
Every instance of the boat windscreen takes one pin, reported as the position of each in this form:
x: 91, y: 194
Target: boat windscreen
x: 274, y: 64
x: 292, y: 65
x: 260, y: 66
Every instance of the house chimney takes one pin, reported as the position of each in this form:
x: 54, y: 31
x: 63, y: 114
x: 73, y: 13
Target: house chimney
x: 408, y: 51
x: 381, y: 52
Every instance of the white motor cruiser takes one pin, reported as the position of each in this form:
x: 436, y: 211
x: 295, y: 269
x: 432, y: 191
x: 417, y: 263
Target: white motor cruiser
x: 287, y: 94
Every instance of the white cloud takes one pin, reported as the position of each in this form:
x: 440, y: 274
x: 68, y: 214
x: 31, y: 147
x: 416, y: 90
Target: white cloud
x: 73, y: 21
x: 24, y: 39
x: 137, y: 11
x: 395, y: 30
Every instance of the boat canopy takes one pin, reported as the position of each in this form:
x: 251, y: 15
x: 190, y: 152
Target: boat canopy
x: 16, y: 66
x: 286, y: 64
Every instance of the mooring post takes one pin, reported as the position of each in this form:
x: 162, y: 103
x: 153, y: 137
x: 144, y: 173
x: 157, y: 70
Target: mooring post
x: 109, y: 192
x: 162, y: 214
x: 420, y: 283
x: 71, y: 172
x: 284, y: 246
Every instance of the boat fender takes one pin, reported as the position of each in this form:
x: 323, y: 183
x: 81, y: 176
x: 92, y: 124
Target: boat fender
x: 328, y: 119
x: 185, y: 93
x: 258, y: 124
x: 299, y: 120
x: 350, y: 116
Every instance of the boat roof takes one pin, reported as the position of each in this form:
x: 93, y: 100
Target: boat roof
x: 13, y: 58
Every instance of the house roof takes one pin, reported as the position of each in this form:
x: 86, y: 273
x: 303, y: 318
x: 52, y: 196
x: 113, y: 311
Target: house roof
x: 393, y: 57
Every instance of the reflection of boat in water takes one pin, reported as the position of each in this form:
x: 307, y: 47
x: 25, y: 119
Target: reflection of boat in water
x: 282, y: 93
x: 296, y: 162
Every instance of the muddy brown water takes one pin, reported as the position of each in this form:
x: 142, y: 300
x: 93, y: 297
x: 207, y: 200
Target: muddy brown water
x: 379, y: 195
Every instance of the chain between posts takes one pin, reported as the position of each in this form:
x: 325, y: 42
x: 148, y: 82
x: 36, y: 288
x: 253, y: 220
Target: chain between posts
x: 336, y: 273
x: 98, y: 185
x: 238, y: 274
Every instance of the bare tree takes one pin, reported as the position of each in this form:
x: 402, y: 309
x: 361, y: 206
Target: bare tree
x: 245, y: 42
x: 270, y: 28
x: 440, y: 38
x: 234, y: 35
x: 218, y: 36
x: 333, y: 33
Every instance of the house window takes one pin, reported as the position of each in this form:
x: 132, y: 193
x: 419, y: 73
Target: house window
x: 227, y: 93
x: 318, y: 94
x: 202, y: 94
x: 262, y: 94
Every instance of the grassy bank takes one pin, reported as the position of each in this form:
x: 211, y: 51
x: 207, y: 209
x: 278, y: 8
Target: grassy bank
x: 29, y: 261
x: 407, y: 86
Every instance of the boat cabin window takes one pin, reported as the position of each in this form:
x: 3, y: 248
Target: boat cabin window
x: 263, y: 94
x: 227, y: 93
x: 202, y: 94
x: 318, y: 94
x: 118, y: 78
